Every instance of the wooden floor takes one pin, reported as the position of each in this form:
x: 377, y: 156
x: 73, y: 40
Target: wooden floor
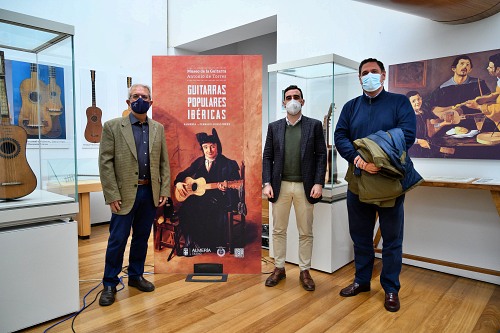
x: 430, y: 302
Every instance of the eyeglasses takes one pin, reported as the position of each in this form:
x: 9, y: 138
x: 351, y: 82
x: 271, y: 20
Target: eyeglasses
x: 136, y: 96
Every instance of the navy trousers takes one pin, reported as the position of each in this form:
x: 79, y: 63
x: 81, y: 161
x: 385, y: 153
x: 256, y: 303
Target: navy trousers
x: 361, y: 226
x: 140, y: 220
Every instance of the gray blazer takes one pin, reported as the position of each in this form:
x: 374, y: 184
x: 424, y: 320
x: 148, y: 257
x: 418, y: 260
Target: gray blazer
x: 118, y: 166
x: 312, y: 153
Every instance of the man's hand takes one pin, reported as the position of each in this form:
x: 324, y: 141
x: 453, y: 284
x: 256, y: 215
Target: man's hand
x: 181, y: 188
x: 115, y: 206
x: 363, y: 165
x: 163, y: 201
x: 316, y: 191
x: 268, y: 191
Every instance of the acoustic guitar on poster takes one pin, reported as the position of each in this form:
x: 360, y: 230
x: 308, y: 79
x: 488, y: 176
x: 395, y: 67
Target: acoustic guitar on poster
x: 199, y: 186
x: 129, y: 84
x: 93, y: 130
x: 34, y: 117
x: 16, y: 177
x: 54, y: 105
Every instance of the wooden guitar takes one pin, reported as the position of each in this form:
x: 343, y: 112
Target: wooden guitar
x: 93, y: 130
x: 199, y: 186
x: 34, y: 117
x: 331, y: 168
x: 54, y: 105
x: 16, y: 177
x: 129, y: 84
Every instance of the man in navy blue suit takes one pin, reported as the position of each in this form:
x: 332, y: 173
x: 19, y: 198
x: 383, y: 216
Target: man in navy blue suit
x: 293, y: 171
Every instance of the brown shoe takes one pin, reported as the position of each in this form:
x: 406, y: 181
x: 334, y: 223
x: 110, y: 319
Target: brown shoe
x: 306, y: 280
x: 354, y: 289
x: 391, y: 302
x: 276, y: 276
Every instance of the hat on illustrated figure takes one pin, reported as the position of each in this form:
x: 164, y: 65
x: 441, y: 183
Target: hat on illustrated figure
x: 214, y: 138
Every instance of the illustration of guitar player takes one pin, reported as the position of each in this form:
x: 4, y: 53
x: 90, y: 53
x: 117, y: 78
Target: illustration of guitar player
x: 203, y: 214
x: 34, y: 117
x: 16, y: 178
x: 54, y: 105
x: 93, y: 130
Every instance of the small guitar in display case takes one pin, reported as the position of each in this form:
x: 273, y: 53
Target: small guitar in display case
x: 199, y: 186
x: 16, y: 177
x: 34, y: 117
x: 93, y: 130
x: 54, y: 105
x: 129, y: 84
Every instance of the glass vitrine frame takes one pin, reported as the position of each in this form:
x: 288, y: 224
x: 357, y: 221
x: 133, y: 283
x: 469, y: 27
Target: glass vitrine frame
x: 42, y: 46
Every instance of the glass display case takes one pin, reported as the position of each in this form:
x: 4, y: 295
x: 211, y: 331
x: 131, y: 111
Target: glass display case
x: 37, y: 128
x: 327, y: 83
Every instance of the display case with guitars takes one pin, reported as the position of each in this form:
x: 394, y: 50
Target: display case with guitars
x: 34, y: 116
x: 16, y: 176
x: 93, y: 130
x: 331, y: 166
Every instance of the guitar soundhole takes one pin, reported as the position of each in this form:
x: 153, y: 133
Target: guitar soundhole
x: 53, y: 94
x: 194, y: 186
x: 34, y: 96
x: 93, y: 119
x: 9, y: 148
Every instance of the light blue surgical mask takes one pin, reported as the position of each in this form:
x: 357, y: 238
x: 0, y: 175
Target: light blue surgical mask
x: 371, y: 82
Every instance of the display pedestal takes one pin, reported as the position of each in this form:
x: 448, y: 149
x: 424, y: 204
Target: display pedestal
x: 39, y: 279
x: 332, y: 247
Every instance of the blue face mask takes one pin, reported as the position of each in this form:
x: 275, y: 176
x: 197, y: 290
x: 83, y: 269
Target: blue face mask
x: 140, y: 106
x: 371, y: 82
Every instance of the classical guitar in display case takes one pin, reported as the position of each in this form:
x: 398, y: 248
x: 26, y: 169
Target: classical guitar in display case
x: 34, y: 117
x: 93, y: 130
x: 16, y: 177
x: 54, y: 105
x: 129, y: 84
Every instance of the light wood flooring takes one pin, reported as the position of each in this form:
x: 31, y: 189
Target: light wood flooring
x: 430, y: 302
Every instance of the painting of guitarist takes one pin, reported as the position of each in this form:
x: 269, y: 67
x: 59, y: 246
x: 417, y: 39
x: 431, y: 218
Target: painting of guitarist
x: 452, y: 96
x: 207, y: 190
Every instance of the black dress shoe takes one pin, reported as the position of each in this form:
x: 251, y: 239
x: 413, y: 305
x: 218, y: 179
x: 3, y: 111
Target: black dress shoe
x: 276, y: 276
x: 354, y: 289
x: 141, y: 283
x: 107, y: 296
x: 391, y: 302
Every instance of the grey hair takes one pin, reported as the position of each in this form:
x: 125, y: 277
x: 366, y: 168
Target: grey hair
x: 138, y: 85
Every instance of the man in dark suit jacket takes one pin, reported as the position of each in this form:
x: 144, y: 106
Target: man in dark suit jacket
x: 293, y: 171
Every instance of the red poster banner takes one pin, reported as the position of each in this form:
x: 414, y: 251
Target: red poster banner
x: 211, y: 107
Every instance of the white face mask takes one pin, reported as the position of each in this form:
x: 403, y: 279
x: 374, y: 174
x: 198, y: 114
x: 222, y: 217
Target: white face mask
x: 293, y: 107
x: 371, y: 82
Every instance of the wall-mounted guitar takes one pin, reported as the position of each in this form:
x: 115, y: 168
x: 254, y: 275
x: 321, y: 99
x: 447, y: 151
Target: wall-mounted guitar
x: 16, y: 177
x: 199, y: 186
x: 34, y: 117
x: 54, y: 105
x: 129, y: 84
x: 93, y: 130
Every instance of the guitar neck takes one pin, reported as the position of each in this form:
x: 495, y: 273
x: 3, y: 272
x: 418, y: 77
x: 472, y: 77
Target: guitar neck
x: 4, y: 106
x: 92, y: 78
x: 226, y: 183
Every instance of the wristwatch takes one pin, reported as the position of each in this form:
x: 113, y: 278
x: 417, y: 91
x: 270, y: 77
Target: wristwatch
x: 265, y: 184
